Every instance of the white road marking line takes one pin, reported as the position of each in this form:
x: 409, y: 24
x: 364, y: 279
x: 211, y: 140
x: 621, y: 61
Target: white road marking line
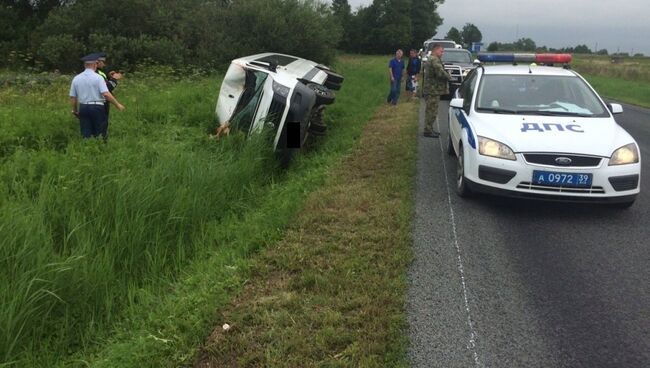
x: 472, y: 332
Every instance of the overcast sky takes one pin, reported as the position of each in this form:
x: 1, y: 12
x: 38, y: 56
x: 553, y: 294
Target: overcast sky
x: 615, y: 25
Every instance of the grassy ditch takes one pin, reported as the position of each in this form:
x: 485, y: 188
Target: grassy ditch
x: 118, y: 254
x: 330, y: 293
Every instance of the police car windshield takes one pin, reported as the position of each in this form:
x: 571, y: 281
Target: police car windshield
x: 456, y: 56
x: 539, y: 95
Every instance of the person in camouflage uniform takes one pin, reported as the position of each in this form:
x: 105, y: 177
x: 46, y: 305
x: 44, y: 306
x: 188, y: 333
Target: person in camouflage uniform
x: 436, y: 83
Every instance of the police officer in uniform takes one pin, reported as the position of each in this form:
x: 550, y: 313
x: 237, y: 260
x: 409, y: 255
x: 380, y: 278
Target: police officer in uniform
x: 88, y: 94
x: 436, y: 83
x: 111, y: 82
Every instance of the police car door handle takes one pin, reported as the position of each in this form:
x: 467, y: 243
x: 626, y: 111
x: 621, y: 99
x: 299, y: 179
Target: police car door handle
x: 231, y: 96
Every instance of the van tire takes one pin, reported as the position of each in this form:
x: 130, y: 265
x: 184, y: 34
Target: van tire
x: 324, y: 96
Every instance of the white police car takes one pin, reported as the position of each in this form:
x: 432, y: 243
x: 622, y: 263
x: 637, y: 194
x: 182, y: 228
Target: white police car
x: 540, y: 132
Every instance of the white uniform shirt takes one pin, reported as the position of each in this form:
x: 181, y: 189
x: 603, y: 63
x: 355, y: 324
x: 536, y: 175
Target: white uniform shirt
x: 88, y: 86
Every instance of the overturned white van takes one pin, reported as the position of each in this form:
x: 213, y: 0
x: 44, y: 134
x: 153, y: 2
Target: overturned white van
x: 283, y: 93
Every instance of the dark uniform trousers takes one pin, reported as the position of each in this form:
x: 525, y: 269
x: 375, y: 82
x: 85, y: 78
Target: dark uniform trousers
x: 110, y: 84
x: 92, y: 120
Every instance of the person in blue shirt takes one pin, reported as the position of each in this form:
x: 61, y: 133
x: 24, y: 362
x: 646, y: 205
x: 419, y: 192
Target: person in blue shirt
x: 412, y: 72
x: 88, y: 93
x: 395, y: 70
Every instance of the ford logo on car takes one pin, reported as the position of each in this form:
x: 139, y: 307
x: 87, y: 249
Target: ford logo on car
x: 564, y: 161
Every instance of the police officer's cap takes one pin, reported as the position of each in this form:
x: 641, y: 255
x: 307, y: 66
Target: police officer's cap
x: 101, y: 56
x: 90, y: 58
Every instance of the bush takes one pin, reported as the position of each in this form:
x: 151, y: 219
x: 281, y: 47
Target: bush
x: 162, y: 50
x: 61, y: 52
x: 207, y: 34
x: 286, y: 26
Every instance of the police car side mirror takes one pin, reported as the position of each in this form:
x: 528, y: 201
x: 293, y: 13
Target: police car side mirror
x: 477, y: 62
x: 615, y: 108
x: 457, y: 103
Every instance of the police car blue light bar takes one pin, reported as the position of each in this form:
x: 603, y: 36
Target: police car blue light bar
x: 526, y: 58
x: 496, y: 58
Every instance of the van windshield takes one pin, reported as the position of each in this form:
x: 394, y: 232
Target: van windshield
x: 444, y: 44
x: 244, y: 114
x: 456, y: 56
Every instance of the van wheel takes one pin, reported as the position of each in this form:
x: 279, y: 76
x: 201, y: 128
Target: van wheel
x: 323, y: 95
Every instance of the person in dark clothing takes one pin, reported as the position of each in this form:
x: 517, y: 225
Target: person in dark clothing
x: 395, y: 71
x: 412, y: 72
x: 111, y: 83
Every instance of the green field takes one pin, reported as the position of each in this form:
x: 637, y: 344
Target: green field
x: 621, y: 79
x: 118, y: 254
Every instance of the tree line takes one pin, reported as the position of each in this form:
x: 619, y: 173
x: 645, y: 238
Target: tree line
x: 53, y: 34
x: 386, y: 25
x: 527, y: 44
x: 466, y: 36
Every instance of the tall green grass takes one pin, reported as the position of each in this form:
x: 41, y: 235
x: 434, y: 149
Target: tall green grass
x: 84, y: 222
x: 105, y: 247
x: 636, y: 69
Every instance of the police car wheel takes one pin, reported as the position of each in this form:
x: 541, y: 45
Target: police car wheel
x: 461, y: 183
x: 450, y: 145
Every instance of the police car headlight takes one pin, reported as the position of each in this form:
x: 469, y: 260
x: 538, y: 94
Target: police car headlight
x: 280, y: 89
x: 492, y: 148
x: 627, y: 154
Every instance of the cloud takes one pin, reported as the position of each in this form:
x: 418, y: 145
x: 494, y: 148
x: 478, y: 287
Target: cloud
x: 607, y: 24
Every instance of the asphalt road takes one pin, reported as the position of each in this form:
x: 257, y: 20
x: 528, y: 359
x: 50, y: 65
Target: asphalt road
x: 512, y: 283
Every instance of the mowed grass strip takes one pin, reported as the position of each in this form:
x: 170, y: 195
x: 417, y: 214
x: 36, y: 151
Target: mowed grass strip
x: 331, y: 292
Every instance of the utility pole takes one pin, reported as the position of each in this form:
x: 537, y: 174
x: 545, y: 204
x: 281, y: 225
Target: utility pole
x: 517, y: 32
